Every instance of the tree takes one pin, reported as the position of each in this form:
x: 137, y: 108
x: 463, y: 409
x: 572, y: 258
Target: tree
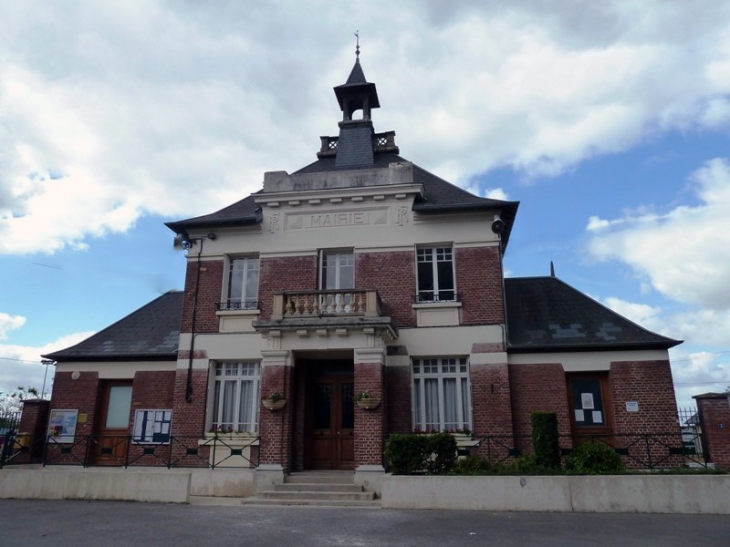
x: 12, y: 401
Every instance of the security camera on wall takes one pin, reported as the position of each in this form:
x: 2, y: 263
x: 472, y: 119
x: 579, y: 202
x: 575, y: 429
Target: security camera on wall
x: 497, y: 225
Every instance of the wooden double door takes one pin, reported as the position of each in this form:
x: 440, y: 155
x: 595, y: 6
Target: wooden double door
x: 332, y: 424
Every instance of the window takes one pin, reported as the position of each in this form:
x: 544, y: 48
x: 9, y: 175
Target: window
x: 236, y: 397
x: 435, y: 274
x: 441, y: 394
x: 338, y: 270
x: 152, y: 426
x: 243, y: 284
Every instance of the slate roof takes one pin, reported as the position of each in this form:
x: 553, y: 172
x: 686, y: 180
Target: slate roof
x: 149, y: 333
x: 439, y: 196
x: 547, y: 314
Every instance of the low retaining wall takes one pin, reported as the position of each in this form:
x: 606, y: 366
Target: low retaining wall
x: 94, y: 485
x: 605, y: 494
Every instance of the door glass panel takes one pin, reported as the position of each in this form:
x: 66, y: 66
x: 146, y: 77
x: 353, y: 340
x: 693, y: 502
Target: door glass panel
x: 322, y: 406
x: 348, y: 407
x: 588, y: 403
x: 120, y: 400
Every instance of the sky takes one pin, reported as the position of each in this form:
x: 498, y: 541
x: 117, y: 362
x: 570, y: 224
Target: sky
x: 608, y: 122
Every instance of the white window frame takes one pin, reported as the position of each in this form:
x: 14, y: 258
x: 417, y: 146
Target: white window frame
x: 150, y: 422
x: 441, y: 369
x: 340, y: 257
x: 244, y: 301
x: 229, y: 418
x: 432, y: 251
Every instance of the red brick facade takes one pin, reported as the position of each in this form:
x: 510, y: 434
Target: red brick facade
x: 479, y: 284
x: 538, y: 388
x: 188, y: 418
x: 275, y: 426
x: 490, y: 391
x: 393, y: 275
x: 369, y: 424
x: 209, y: 296
x: 648, y: 383
x: 714, y: 414
x: 296, y: 273
x: 81, y: 394
x: 398, y: 400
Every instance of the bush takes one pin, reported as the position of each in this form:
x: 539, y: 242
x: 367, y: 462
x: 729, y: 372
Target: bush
x: 594, y: 459
x: 474, y: 465
x: 409, y: 454
x: 406, y: 454
x: 545, y: 439
x: 441, y: 453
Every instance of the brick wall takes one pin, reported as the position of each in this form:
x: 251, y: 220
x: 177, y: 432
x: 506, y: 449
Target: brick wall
x: 33, y: 422
x: 369, y: 424
x: 296, y: 273
x: 189, y: 418
x: 81, y: 394
x: 650, y: 384
x: 538, y: 388
x: 398, y: 400
x: 714, y: 413
x: 209, y: 295
x: 479, y: 284
x: 275, y: 426
x: 491, y: 399
x: 393, y: 275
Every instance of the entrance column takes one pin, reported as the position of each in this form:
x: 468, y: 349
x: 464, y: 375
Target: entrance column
x: 275, y: 426
x: 370, y: 423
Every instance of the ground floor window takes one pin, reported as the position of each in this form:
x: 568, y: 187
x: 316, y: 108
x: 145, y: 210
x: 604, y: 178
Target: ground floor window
x: 441, y: 394
x: 236, y: 397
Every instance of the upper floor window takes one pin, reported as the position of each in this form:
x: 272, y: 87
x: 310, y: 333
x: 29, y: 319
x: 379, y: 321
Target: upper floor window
x: 236, y: 397
x: 435, y: 274
x: 337, y: 270
x: 441, y: 399
x: 243, y: 284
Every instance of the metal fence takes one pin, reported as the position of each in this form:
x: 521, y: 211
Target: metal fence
x: 9, y: 423
x: 649, y: 451
x: 128, y: 451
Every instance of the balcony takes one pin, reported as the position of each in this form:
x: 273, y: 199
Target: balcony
x: 330, y: 303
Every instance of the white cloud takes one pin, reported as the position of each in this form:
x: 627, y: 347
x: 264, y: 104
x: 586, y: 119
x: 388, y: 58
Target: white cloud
x: 8, y: 323
x: 178, y: 110
x: 496, y: 193
x: 685, y: 253
x: 21, y: 365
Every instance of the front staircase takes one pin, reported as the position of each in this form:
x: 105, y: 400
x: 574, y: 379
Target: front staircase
x: 331, y: 488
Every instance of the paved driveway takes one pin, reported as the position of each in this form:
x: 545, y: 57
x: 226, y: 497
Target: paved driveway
x: 111, y: 524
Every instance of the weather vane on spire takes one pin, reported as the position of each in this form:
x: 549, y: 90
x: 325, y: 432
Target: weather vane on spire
x: 357, y: 46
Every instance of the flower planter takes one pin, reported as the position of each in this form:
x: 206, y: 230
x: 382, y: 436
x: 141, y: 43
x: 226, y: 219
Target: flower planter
x: 369, y: 403
x: 273, y: 405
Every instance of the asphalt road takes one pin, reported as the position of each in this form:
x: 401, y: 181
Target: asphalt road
x: 109, y: 524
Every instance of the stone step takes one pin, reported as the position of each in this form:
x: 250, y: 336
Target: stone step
x: 372, y: 504
x: 323, y: 496
x: 319, y: 478
x: 317, y: 487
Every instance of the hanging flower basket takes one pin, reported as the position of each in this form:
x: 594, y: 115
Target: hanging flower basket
x: 274, y: 402
x: 274, y: 405
x: 366, y: 401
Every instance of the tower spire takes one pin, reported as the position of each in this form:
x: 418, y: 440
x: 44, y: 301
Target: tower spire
x: 357, y: 46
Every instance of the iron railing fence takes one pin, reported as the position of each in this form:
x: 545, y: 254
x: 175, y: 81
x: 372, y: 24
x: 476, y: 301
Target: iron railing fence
x: 224, y: 452
x: 649, y: 451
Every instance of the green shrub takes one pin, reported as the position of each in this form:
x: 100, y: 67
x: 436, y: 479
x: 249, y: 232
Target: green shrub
x: 474, y: 465
x: 409, y: 454
x: 406, y: 454
x: 441, y: 453
x: 594, y: 459
x: 545, y: 439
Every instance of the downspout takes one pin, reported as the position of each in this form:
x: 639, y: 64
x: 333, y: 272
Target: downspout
x: 189, y: 385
